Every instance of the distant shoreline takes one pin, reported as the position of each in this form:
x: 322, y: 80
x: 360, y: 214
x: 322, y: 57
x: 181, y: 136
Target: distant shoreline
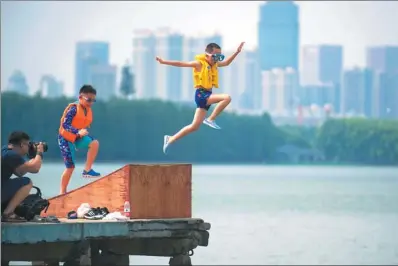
x: 320, y: 164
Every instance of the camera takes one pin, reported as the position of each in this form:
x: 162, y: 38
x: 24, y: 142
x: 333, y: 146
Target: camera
x: 33, y: 148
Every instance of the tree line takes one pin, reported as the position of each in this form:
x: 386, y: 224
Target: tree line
x: 132, y: 131
x: 359, y: 141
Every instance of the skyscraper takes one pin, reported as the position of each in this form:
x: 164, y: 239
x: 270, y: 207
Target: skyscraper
x: 253, y: 91
x: 88, y: 54
x: 17, y: 83
x: 382, y: 58
x: 242, y: 80
x: 103, y: 78
x: 278, y: 88
x: 169, y: 46
x: 278, y: 35
x: 322, y: 64
x: 321, y: 74
x: 50, y: 87
x: 357, y: 92
x: 383, y: 61
x: 145, y: 65
x: 386, y: 95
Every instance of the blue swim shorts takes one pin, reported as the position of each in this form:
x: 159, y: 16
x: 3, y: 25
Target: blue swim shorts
x: 201, y: 96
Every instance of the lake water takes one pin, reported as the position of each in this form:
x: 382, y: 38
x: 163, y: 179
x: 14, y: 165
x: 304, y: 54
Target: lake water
x: 283, y: 214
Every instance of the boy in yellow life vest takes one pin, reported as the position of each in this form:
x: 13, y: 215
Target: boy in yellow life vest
x: 73, y: 135
x: 205, y: 77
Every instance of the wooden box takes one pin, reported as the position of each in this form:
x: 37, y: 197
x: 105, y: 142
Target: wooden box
x: 154, y: 191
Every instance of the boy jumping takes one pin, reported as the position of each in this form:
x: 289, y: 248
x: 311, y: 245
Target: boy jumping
x: 205, y: 77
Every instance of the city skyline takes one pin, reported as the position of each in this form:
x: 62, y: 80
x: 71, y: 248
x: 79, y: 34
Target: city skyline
x: 53, y: 54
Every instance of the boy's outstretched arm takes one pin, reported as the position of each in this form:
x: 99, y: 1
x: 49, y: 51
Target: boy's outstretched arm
x: 229, y: 60
x: 195, y: 64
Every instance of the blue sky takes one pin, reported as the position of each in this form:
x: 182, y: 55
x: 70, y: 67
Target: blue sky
x: 38, y: 37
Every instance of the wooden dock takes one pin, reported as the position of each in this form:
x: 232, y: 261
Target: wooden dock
x: 79, y: 242
x: 160, y: 197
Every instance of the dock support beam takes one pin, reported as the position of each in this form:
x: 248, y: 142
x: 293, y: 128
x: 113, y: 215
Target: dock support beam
x: 180, y: 260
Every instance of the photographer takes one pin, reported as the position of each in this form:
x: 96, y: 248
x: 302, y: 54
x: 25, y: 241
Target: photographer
x: 15, y: 190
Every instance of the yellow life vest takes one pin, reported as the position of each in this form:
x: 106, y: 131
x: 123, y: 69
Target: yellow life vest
x: 207, y: 78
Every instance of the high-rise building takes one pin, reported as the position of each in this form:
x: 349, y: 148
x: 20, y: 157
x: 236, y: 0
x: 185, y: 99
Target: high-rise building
x: 278, y: 86
x: 103, y: 79
x: 50, y: 87
x: 357, y: 93
x: 319, y: 95
x: 242, y: 80
x: 193, y: 46
x: 321, y: 64
x: 278, y: 35
x: 235, y: 81
x: 382, y: 59
x: 17, y: 83
x: 386, y: 95
x: 153, y: 80
x: 145, y: 65
x: 169, y: 46
x: 87, y: 54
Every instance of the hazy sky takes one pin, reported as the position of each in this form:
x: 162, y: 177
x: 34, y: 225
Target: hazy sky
x: 39, y: 37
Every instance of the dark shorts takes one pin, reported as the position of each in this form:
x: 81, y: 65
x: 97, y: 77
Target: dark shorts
x: 68, y: 149
x: 10, y: 187
x: 201, y: 96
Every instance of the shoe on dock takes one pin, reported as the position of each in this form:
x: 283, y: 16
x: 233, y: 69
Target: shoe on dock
x: 93, y: 214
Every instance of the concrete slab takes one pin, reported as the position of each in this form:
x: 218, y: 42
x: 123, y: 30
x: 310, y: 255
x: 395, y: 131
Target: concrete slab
x: 80, y: 229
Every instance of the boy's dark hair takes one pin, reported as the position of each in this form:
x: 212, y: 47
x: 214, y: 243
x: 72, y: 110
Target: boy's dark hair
x: 17, y: 137
x: 88, y: 89
x: 211, y: 46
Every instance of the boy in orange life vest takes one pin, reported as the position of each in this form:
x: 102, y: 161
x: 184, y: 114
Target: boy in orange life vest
x: 205, y: 76
x: 73, y: 135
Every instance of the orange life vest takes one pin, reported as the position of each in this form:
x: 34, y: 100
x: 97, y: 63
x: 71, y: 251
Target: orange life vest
x: 82, y: 119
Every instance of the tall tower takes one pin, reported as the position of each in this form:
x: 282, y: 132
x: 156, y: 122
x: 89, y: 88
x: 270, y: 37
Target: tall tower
x: 145, y: 65
x: 278, y: 35
x: 88, y: 54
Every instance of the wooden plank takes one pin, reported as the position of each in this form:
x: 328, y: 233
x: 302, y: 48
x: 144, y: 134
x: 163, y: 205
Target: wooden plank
x: 154, y: 191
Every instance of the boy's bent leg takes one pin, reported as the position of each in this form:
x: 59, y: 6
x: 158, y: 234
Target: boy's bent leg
x: 223, y: 100
x: 14, y: 191
x: 200, y: 114
x: 67, y: 154
x: 93, y: 146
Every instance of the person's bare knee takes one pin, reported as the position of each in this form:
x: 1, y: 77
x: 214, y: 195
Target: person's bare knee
x: 69, y: 170
x: 227, y: 98
x: 94, y: 144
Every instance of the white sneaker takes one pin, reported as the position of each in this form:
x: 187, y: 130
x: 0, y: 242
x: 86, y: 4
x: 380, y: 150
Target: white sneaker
x: 165, y: 143
x: 211, y: 124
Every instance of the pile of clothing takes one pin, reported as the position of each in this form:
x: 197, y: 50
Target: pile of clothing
x: 85, y: 211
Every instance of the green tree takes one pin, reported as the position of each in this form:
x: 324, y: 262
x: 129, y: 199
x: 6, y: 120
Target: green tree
x: 133, y: 131
x: 127, y: 82
x: 361, y: 141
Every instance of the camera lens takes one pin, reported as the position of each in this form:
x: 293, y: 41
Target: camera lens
x: 45, y: 147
